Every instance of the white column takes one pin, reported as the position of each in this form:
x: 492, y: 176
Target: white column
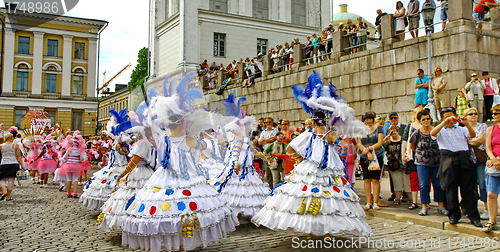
x: 8, y: 67
x: 233, y: 7
x: 274, y: 12
x: 66, y: 66
x: 92, y: 63
x: 188, y: 24
x: 246, y: 8
x: 36, y: 84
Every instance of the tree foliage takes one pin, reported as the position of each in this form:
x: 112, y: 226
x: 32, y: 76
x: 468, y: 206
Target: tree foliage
x: 141, y: 70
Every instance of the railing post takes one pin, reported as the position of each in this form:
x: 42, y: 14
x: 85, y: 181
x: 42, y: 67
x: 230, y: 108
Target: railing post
x: 460, y: 13
x: 241, y: 71
x: 267, y: 64
x: 388, y: 30
x: 298, y: 55
x: 495, y: 20
x: 221, y: 76
x: 204, y: 82
x: 339, y: 42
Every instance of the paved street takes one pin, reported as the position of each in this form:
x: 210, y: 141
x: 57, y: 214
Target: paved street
x: 46, y: 220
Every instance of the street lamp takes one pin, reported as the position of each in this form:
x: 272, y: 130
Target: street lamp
x: 428, y: 14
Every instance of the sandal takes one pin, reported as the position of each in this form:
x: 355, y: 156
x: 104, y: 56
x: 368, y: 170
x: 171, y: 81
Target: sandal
x: 413, y: 206
x: 367, y: 206
x: 490, y: 226
x: 9, y: 199
x: 375, y: 206
x: 397, y: 202
x: 3, y: 196
x: 423, y: 212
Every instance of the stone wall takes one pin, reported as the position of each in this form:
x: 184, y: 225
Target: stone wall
x: 380, y: 79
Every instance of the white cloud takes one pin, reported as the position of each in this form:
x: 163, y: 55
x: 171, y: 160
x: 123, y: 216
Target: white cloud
x: 125, y: 35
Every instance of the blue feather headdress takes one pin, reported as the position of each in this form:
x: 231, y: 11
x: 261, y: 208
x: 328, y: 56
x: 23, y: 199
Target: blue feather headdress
x: 234, y: 108
x: 178, y: 98
x: 118, y: 123
x: 318, y: 97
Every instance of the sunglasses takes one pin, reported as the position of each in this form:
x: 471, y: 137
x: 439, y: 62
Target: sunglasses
x: 425, y: 119
x: 495, y: 114
x: 393, y: 118
x: 269, y: 122
x: 472, y: 114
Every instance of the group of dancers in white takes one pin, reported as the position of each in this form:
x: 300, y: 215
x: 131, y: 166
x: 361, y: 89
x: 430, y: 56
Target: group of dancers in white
x: 179, y: 178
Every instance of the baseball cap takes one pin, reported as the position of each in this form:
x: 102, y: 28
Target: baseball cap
x: 393, y: 113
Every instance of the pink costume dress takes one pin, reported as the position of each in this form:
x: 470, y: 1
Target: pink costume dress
x: 32, y: 154
x: 72, y: 162
x: 47, y: 162
x: 86, y: 166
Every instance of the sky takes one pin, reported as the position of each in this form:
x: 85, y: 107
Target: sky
x: 126, y: 34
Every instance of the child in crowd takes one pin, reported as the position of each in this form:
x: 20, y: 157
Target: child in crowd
x: 461, y: 101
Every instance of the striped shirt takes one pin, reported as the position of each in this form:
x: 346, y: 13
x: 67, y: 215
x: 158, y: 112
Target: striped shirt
x: 454, y: 139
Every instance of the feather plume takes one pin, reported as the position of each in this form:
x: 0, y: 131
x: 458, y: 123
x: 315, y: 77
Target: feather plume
x: 166, y: 92
x: 233, y: 108
x: 201, y: 120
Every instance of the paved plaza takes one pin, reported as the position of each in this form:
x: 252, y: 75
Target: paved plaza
x: 44, y: 219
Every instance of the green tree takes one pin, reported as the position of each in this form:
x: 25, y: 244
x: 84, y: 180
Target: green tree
x: 140, y: 71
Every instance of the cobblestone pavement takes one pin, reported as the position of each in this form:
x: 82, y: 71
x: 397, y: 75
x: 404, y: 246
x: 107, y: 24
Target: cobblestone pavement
x: 44, y: 219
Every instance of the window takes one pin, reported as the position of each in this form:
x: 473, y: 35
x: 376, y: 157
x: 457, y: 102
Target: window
x: 20, y: 114
x: 77, y: 120
x: 299, y: 12
x: 51, y: 114
x: 219, y: 44
x: 22, y: 81
x: 77, y: 84
x: 24, y: 45
x: 52, y: 47
x: 261, y: 46
x: 50, y: 83
x: 79, y: 50
x: 260, y: 9
x: 218, y: 5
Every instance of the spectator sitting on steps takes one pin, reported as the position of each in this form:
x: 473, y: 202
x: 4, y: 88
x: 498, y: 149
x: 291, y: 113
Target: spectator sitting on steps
x: 225, y: 83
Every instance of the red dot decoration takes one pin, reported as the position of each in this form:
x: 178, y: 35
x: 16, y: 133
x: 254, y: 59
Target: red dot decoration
x: 110, y: 210
x: 186, y: 192
x: 344, y: 180
x: 104, y: 182
x: 152, y: 210
x: 336, y: 189
x: 304, y: 188
x: 193, y: 206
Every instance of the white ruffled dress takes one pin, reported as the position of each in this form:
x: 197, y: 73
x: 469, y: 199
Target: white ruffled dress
x: 176, y: 207
x: 316, y: 197
x: 246, y: 191
x: 214, y: 161
x: 98, y: 189
x: 114, y: 208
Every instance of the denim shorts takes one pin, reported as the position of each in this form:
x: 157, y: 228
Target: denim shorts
x: 479, y: 17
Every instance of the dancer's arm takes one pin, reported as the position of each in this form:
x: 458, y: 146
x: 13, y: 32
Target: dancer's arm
x: 131, y: 165
x: 18, y: 156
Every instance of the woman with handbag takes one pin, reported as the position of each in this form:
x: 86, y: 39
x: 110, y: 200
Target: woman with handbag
x: 409, y: 158
x: 400, y: 180
x: 371, y: 160
x: 427, y: 161
x: 478, y: 156
x: 401, y: 21
x: 492, y: 176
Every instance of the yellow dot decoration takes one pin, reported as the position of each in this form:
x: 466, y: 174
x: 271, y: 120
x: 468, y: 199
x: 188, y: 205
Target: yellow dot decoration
x: 165, y: 206
x: 135, y: 204
x: 110, y: 174
x: 337, y: 180
x: 354, y: 196
x: 156, y: 189
x: 327, y: 193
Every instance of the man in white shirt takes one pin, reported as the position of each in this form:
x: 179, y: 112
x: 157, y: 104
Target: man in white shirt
x: 267, y: 136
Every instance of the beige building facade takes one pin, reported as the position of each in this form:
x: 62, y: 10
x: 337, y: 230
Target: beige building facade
x: 50, y: 65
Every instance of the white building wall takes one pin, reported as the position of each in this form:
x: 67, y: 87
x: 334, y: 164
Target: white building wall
x: 169, y: 46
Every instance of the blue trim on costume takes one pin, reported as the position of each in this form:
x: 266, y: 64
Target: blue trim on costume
x: 166, y: 156
x: 278, y: 185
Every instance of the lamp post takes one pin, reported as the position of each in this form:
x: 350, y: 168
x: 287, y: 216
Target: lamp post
x: 428, y: 14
